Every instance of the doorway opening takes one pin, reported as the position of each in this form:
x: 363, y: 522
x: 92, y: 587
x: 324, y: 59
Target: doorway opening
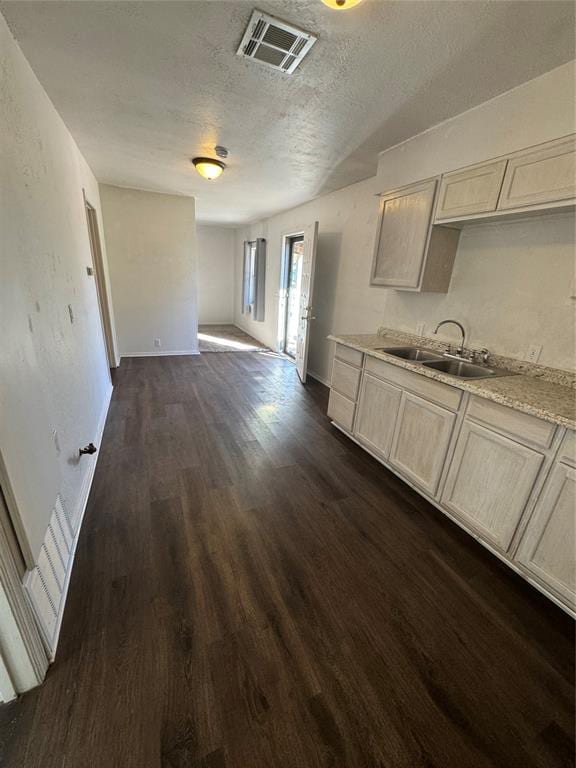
x: 293, y: 262
x: 100, y: 282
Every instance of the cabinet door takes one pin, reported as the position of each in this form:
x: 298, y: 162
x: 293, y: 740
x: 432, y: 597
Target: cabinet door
x: 377, y: 412
x: 489, y: 482
x: 547, y: 548
x: 405, y: 218
x: 545, y: 175
x: 421, y: 441
x: 470, y: 191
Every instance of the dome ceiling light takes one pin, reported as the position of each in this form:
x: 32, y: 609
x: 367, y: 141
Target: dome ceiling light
x: 341, y: 5
x: 208, y: 168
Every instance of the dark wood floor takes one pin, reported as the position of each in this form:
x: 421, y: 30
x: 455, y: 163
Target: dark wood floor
x: 252, y: 590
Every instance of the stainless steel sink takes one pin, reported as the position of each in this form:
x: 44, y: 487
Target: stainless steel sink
x: 412, y: 353
x: 463, y: 370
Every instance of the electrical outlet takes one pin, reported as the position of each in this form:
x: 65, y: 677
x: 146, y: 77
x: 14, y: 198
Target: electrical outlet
x: 157, y: 343
x: 534, y: 352
x: 420, y: 329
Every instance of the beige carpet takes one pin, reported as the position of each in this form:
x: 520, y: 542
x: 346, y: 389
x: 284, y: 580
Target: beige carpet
x: 226, y: 338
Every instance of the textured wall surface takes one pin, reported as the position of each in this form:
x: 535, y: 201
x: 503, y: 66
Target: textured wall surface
x: 215, y: 246
x: 53, y: 369
x: 512, y: 282
x: 151, y: 246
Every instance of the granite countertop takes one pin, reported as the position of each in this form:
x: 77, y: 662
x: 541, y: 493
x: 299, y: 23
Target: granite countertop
x: 532, y: 389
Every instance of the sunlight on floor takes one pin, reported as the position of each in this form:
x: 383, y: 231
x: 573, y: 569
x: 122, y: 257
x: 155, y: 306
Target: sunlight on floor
x: 227, y: 342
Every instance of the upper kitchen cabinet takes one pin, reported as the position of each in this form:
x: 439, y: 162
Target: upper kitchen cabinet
x: 532, y: 181
x: 410, y: 253
x: 473, y: 190
x: 538, y: 176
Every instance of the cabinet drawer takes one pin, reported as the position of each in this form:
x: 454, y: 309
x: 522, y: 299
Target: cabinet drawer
x: 539, y: 176
x: 519, y: 426
x: 432, y: 390
x: 469, y: 191
x: 349, y: 355
x: 341, y: 410
x: 345, y: 379
x: 567, y: 451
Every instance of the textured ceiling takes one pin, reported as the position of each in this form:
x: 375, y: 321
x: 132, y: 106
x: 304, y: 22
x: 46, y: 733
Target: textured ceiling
x: 144, y: 86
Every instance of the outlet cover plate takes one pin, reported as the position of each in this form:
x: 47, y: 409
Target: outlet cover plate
x: 534, y: 352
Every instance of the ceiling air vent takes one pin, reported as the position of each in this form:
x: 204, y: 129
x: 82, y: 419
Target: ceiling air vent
x: 275, y: 43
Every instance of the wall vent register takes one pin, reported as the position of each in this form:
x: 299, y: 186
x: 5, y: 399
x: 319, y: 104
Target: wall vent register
x: 275, y: 43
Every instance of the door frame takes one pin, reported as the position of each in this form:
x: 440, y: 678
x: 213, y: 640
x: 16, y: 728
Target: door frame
x: 100, y: 279
x: 23, y: 655
x: 287, y: 237
x: 16, y: 524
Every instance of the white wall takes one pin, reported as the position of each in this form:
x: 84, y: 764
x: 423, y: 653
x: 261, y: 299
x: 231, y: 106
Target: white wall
x: 343, y: 300
x: 53, y: 368
x: 151, y: 246
x: 511, y: 281
x: 215, y: 248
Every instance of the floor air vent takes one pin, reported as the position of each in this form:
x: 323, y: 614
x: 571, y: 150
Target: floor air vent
x: 275, y: 43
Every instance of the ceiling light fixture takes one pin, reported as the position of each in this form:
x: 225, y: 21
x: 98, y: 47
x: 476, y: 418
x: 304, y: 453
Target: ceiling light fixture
x: 341, y: 5
x: 208, y: 168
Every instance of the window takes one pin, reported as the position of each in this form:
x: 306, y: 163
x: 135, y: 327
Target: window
x: 253, y: 285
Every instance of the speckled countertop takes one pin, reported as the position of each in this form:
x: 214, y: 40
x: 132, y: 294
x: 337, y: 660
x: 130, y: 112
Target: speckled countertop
x: 543, y: 392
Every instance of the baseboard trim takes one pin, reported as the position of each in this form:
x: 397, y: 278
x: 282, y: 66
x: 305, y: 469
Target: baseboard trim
x: 319, y: 378
x: 83, y: 503
x: 253, y: 335
x: 176, y: 353
x: 219, y: 322
x: 47, y: 583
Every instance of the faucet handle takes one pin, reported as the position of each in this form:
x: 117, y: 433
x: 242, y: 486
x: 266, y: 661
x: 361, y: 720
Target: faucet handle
x: 482, y: 354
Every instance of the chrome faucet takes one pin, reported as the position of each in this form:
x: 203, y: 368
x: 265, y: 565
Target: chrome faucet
x: 461, y: 349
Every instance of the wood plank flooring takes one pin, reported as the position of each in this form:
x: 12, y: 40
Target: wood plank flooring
x: 252, y: 590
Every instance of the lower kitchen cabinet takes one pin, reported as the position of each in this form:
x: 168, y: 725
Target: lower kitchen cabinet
x: 377, y: 412
x: 421, y: 441
x: 547, y: 547
x: 489, y: 482
x: 486, y: 465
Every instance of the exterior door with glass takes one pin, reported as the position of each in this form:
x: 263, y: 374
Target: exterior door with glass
x: 305, y: 305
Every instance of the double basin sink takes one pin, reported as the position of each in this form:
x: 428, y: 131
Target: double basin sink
x: 461, y: 369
